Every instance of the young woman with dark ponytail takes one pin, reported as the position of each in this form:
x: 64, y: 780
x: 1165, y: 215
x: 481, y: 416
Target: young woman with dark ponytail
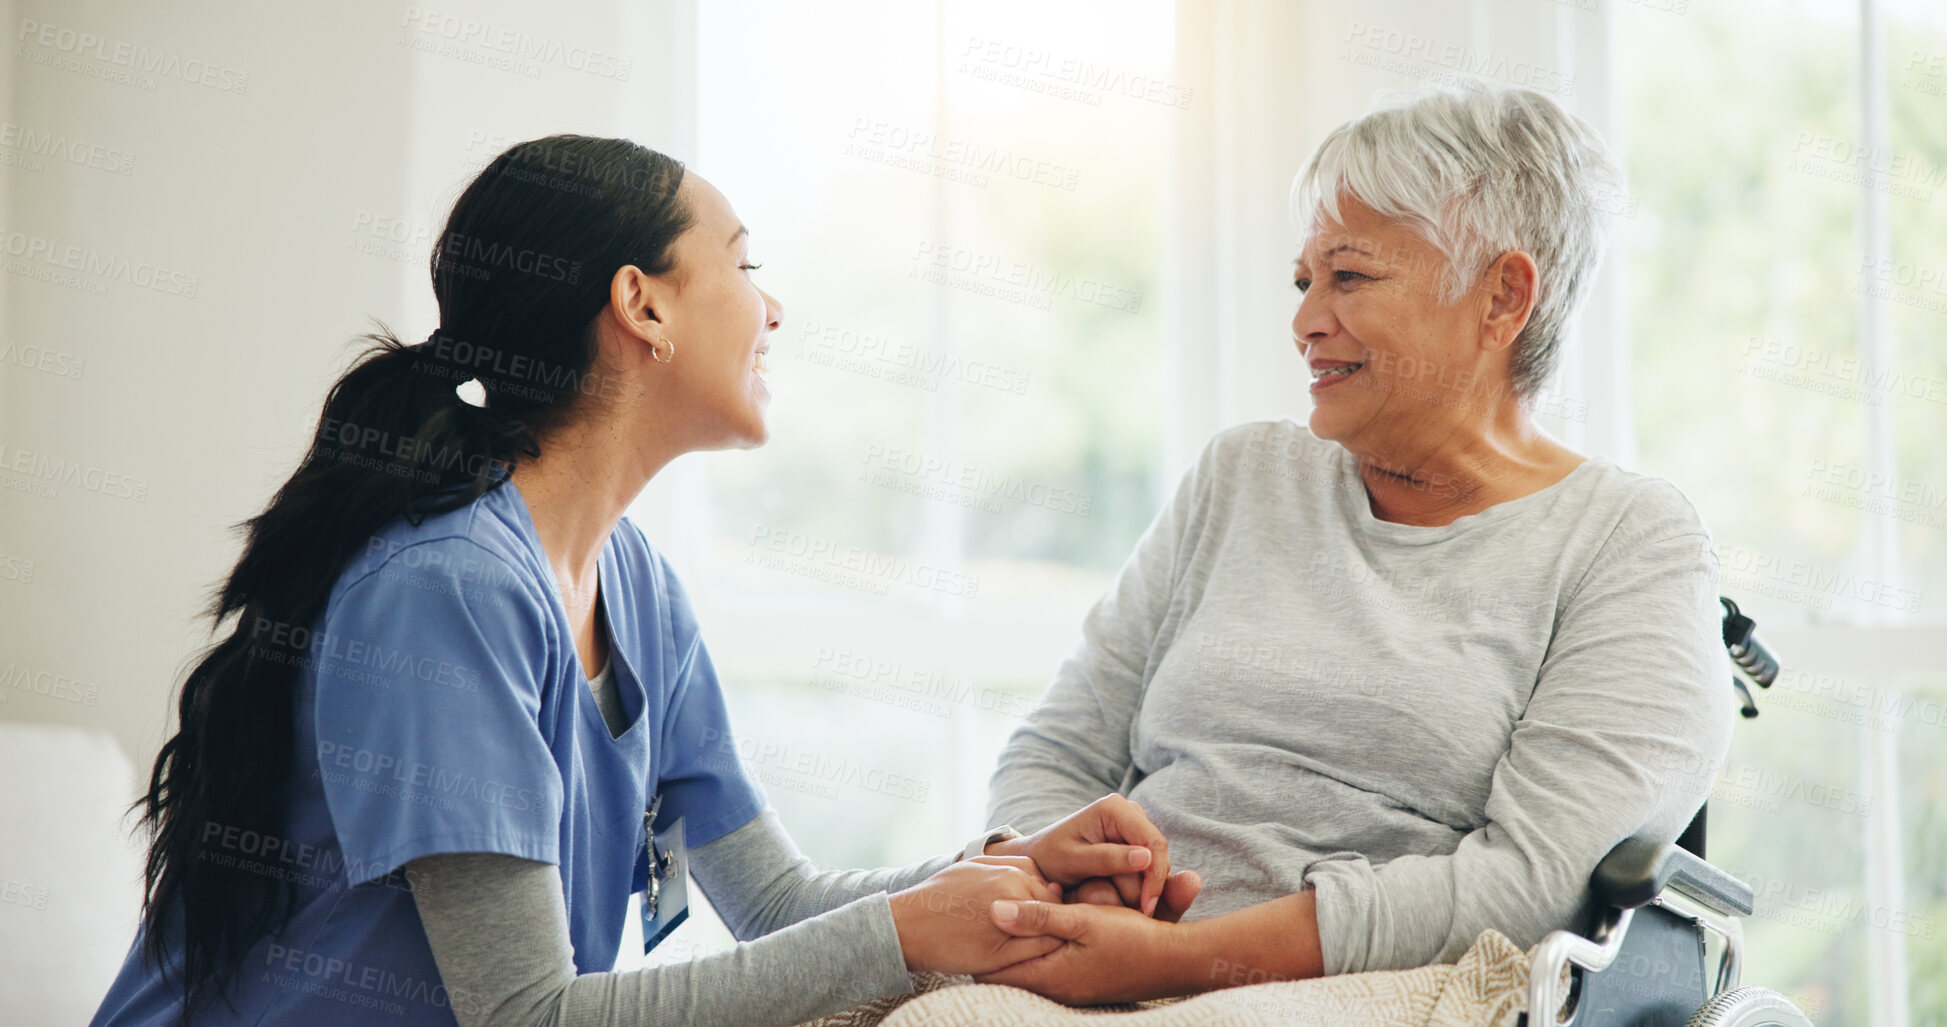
x: 463, y: 710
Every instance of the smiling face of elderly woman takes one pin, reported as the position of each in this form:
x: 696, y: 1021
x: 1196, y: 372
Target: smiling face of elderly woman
x: 1396, y: 365
x: 1447, y: 241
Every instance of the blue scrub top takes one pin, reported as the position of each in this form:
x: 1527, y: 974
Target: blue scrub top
x: 442, y: 707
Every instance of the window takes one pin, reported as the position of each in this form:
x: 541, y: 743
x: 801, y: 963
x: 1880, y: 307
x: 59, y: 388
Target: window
x: 961, y: 222
x: 1786, y: 304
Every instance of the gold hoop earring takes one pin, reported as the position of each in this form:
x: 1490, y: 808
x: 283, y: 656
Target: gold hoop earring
x: 658, y: 354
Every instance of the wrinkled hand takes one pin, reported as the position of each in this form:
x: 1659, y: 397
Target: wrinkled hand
x: 1109, y: 839
x: 944, y: 922
x: 1111, y: 953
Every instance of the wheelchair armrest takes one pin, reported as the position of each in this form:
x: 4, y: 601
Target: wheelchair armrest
x: 1638, y: 869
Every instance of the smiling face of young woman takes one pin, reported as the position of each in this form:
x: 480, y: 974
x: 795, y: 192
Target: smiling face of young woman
x: 716, y: 326
x: 1395, y: 366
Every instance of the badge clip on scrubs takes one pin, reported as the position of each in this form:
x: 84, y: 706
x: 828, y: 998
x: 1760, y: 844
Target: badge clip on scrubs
x: 666, y: 902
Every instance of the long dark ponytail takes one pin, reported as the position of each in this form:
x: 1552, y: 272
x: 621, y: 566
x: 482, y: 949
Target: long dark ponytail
x: 521, y: 272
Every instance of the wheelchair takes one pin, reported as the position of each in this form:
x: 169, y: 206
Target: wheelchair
x: 1644, y: 962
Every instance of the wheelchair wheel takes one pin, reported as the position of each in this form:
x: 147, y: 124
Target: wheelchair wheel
x: 1750, y: 1007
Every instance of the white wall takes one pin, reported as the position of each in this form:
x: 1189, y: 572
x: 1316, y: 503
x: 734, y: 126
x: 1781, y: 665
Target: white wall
x: 208, y: 401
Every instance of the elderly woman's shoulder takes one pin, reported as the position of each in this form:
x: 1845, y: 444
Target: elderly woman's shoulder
x: 1648, y: 508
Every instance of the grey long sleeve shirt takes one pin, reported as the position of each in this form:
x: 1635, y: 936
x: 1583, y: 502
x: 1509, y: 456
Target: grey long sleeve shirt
x: 813, y: 942
x: 1439, y: 729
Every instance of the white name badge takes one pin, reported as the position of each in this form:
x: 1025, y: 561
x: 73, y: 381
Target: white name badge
x: 666, y: 902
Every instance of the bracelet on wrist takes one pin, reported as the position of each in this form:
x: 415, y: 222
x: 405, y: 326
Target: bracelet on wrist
x: 978, y: 847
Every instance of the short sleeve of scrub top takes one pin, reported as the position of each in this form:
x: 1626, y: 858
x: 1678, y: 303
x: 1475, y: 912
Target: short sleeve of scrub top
x: 429, y: 703
x: 699, y: 773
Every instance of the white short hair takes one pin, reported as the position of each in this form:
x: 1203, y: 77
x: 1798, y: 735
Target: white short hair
x: 1479, y: 170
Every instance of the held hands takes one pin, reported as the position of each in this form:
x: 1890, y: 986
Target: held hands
x: 1181, y: 889
x: 1116, y: 864
x: 1109, y: 953
x: 1115, y: 954
x: 945, y: 924
x: 991, y: 915
x: 1110, y: 854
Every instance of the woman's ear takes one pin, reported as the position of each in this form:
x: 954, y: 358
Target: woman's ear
x: 1510, y: 283
x: 636, y: 302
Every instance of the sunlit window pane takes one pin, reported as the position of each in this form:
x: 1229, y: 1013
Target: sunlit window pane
x: 962, y: 223
x: 1757, y: 394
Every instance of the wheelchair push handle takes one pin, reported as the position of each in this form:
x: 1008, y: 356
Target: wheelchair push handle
x: 1750, y: 656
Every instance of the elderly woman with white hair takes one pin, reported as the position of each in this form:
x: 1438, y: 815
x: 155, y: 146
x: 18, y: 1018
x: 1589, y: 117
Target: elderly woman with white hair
x: 1406, y: 675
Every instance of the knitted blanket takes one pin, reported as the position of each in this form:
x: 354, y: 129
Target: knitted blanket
x: 1488, y: 986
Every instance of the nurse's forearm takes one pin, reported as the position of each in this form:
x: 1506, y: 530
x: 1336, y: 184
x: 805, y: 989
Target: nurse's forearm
x: 758, y: 881
x: 498, y: 929
x: 801, y: 972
